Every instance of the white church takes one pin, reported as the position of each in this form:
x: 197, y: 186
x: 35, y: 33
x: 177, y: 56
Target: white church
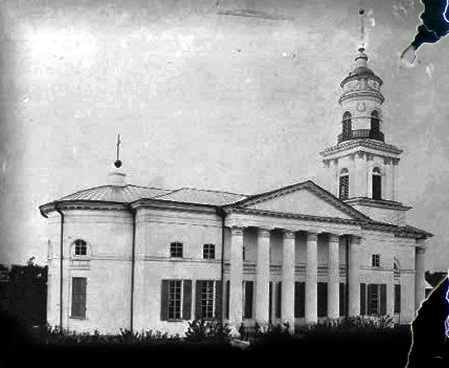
x: 139, y: 258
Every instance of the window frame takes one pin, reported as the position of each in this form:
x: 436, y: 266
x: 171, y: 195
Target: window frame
x: 176, y: 249
x: 80, y: 245
x: 172, y: 313
x: 346, y: 130
x: 208, y: 302
x: 376, y: 184
x: 75, y: 305
x: 375, y: 260
x: 343, y: 187
x: 208, y: 251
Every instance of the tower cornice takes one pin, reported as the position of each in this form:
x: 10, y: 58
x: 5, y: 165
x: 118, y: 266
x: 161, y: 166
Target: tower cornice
x: 365, y: 145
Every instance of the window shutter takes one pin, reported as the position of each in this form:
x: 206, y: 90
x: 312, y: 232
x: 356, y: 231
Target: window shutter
x: 322, y: 299
x: 383, y: 299
x: 164, y: 300
x: 270, y: 302
x: 198, y: 289
x: 279, y: 300
x: 342, y: 298
x: 187, y: 300
x: 362, y: 299
x: 218, y: 299
x: 397, y: 298
x: 227, y: 298
x: 369, y: 309
x: 248, y: 299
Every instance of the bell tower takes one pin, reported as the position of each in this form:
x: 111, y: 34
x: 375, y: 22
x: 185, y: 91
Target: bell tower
x: 362, y: 167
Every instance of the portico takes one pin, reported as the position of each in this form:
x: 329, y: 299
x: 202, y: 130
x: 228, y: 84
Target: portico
x: 308, y: 250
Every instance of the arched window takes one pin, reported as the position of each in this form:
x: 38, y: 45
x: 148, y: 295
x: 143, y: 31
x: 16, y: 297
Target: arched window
x: 346, y: 126
x: 376, y: 183
x: 343, y: 192
x: 374, y: 127
x: 80, y: 247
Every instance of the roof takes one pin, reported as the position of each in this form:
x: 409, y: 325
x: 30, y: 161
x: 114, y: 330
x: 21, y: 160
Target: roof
x: 112, y: 193
x: 202, y: 196
x: 308, y: 184
x: 130, y: 193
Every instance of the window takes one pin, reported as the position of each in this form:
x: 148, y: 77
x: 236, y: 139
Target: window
x: 374, y: 127
x: 346, y: 126
x: 244, y: 253
x: 207, y: 299
x: 79, y: 297
x: 248, y: 299
x: 396, y: 271
x: 209, y: 251
x: 343, y: 299
x: 80, y: 247
x: 176, y: 300
x: 375, y: 260
x: 376, y: 183
x: 397, y: 298
x: 300, y: 296
x: 344, y: 184
x: 322, y: 299
x: 373, y: 299
x: 176, y: 250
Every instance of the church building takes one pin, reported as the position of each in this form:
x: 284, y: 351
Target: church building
x: 140, y: 258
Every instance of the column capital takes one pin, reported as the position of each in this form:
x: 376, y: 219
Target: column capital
x: 236, y: 230
x: 356, y: 240
x: 263, y: 233
x: 420, y: 250
x: 312, y: 236
x: 334, y: 238
x: 288, y: 234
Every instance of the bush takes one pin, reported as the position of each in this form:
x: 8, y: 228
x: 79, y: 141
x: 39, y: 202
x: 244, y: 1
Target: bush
x: 208, y: 330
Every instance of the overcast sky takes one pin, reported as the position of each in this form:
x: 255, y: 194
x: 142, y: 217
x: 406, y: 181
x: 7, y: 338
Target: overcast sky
x: 205, y: 100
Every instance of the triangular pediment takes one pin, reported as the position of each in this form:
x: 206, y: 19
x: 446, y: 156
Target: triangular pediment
x: 306, y: 198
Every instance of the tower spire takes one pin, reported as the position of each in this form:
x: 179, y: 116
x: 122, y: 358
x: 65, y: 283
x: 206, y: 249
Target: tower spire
x: 362, y: 44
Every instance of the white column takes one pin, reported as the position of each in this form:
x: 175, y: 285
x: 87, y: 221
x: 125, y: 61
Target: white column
x: 354, y: 285
x: 311, y: 307
x: 263, y: 276
x: 288, y: 279
x: 236, y: 273
x: 420, y: 286
x: 394, y: 177
x: 333, y: 290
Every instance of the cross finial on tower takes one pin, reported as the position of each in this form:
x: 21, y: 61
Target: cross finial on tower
x: 362, y: 29
x: 117, y: 162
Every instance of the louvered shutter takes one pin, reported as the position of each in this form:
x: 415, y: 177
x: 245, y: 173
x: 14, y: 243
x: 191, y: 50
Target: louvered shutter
x: 218, y: 299
x: 362, y: 299
x: 187, y: 300
x: 164, y: 300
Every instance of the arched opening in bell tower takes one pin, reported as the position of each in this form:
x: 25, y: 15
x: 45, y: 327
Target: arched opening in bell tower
x: 343, y: 187
x: 346, y: 126
x: 374, y: 125
x: 376, y: 183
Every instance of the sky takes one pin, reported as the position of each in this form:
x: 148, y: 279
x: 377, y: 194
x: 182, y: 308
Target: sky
x: 207, y: 99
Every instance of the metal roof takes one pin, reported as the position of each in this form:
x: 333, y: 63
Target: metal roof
x: 202, y: 196
x: 130, y: 193
x: 112, y: 193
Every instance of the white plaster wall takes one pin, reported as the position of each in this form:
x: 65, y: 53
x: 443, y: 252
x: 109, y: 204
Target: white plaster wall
x: 107, y: 268
x: 156, y: 230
